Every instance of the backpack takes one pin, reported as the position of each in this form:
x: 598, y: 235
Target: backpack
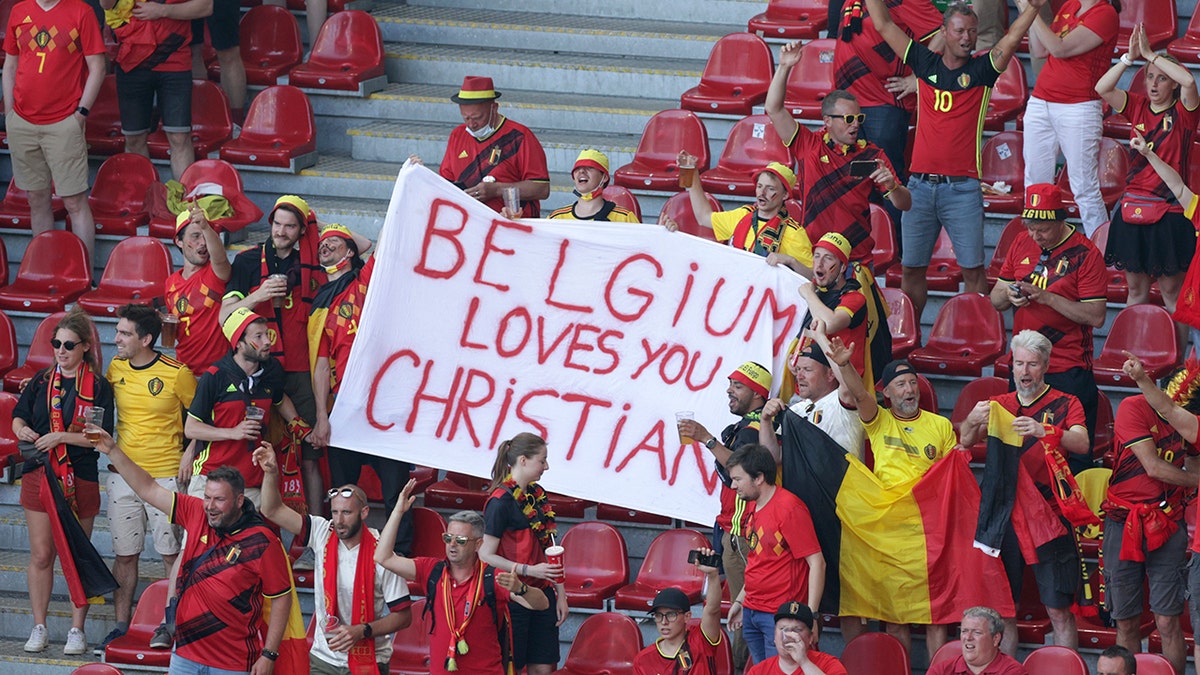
x: 503, y: 628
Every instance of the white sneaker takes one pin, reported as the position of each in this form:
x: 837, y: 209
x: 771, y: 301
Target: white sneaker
x: 37, y: 639
x: 76, y: 642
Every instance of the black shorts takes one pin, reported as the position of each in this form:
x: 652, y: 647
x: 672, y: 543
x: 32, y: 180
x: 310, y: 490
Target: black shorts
x: 222, y: 25
x: 137, y: 91
x: 535, y: 633
x: 1160, y: 249
x: 1058, y: 574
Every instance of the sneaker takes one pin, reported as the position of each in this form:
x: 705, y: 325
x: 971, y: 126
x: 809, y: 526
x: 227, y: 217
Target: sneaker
x: 113, y: 635
x: 76, y: 642
x: 37, y: 639
x: 163, y: 637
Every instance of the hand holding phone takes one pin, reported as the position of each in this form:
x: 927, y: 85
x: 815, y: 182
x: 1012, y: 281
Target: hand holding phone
x: 698, y: 558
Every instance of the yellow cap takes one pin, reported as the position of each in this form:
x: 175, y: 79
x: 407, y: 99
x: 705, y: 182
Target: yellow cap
x: 836, y: 244
x: 335, y: 230
x: 754, y: 376
x: 593, y: 158
x: 783, y: 173
x: 236, y: 323
x: 296, y: 203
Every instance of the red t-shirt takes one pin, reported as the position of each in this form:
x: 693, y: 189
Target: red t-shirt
x: 700, y: 657
x: 1136, y: 422
x: 221, y: 593
x: 833, y: 200
x: 197, y: 302
x: 781, y: 536
x: 483, y: 655
x: 826, y: 662
x: 50, y: 77
x: 1170, y: 132
x: 510, y: 154
x: 862, y: 65
x: 1073, y: 269
x: 951, y: 105
x: 341, y: 324
x: 1073, y: 79
x: 1053, y: 407
x: 1003, y: 664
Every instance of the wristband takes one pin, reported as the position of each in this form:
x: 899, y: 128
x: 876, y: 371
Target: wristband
x: 1126, y: 60
x: 82, y: 111
x: 269, y: 654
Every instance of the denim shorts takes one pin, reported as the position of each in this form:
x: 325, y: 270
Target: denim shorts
x: 958, y: 207
x: 137, y: 91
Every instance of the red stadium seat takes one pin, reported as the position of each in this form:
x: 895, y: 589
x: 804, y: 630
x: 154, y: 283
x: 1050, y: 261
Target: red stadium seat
x: 569, y: 507
x: 8, y: 440
x: 1033, y: 624
x: 55, y: 270
x: 270, y: 44
x: 947, y: 652
x: 1153, y: 664
x: 103, y: 129
x: 665, y: 565
x: 735, y: 79
x: 410, y: 647
x: 928, y: 400
x: 280, y: 131
x: 428, y: 526
x: 458, y: 491
x: 212, y: 122
x: 1014, y: 228
x: 133, y: 648
x: 975, y: 391
x: 623, y: 198
x: 1009, y: 96
x: 347, y: 56
x: 654, y: 166
x: 1102, y: 445
x: 304, y: 577
x: 14, y: 210
x: 943, y: 273
x: 884, y: 234
x: 810, y: 80
x: 41, y: 355
x: 1055, y: 660
x: 605, y: 643
x: 679, y: 209
x: 1093, y: 633
x: 1118, y: 289
x: 752, y: 144
x: 118, y: 197
x: 1001, y: 159
x: 1187, y: 47
x: 1114, y: 165
x: 1158, y: 17
x: 1116, y: 125
x: 1145, y: 330
x: 137, y: 273
x: 967, y: 335
x: 3, y: 263
x: 424, y: 475
x: 902, y: 320
x: 222, y: 173
x: 791, y: 19
x: 624, y: 515
x: 875, y: 653
x: 96, y: 669
x: 596, y: 562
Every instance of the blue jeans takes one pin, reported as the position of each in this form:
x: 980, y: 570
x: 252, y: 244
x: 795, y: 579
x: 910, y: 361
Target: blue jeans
x: 887, y: 127
x: 958, y: 207
x: 182, y: 666
x: 758, y: 630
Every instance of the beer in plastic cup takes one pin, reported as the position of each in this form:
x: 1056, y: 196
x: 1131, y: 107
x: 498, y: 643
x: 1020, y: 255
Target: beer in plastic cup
x: 94, y: 417
x: 170, y: 329
x: 679, y: 417
x: 554, y: 556
x: 512, y: 199
x: 687, y: 173
x: 278, y: 301
x: 255, y: 413
x: 331, y: 624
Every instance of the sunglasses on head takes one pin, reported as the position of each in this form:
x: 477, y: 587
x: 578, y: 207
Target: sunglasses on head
x: 850, y: 119
x: 70, y: 345
x: 341, y: 492
x: 459, y: 539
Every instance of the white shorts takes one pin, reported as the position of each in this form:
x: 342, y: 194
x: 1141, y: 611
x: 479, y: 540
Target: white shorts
x: 128, y: 515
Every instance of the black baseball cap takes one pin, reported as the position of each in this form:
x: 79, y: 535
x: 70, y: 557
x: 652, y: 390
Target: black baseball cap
x: 795, y: 610
x: 895, y: 369
x: 671, y: 598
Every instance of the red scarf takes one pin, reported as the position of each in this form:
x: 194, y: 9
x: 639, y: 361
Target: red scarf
x: 768, y: 237
x: 1146, y: 522
x: 362, y: 654
x: 1066, y: 491
x: 85, y: 395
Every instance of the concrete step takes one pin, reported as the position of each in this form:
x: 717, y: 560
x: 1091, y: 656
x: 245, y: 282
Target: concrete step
x: 731, y: 13
x: 15, y: 661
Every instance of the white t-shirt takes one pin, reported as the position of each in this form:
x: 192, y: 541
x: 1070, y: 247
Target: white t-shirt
x: 829, y: 415
x: 389, y: 591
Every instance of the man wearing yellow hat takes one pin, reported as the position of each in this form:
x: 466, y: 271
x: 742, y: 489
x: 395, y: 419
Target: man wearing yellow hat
x: 489, y: 152
x: 764, y: 227
x: 194, y: 292
x: 590, y: 175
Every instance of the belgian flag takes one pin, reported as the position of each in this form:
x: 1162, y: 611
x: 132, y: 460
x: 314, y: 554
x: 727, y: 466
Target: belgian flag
x: 88, y: 578
x: 901, y: 553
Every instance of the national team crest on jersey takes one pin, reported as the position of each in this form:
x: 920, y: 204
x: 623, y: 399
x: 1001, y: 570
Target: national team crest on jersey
x: 1168, y: 122
x: 42, y: 38
x: 345, y: 310
x: 930, y: 451
x: 155, y: 386
x: 816, y: 416
x: 964, y: 80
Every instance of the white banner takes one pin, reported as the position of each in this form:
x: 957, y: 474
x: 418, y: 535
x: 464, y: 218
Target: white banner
x: 591, y: 335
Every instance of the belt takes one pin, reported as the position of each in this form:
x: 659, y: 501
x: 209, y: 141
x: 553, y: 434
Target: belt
x: 938, y: 178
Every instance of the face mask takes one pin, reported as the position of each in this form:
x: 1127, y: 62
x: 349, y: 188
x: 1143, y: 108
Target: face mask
x: 338, y: 266
x: 594, y: 194
x: 481, y: 133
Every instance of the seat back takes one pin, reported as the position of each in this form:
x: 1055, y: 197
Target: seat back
x: 283, y: 115
x: 595, y: 551
x: 1055, y: 660
x: 668, y: 132
x: 811, y: 79
x: 876, y: 653
x: 884, y: 234
x: 139, y: 266
x: 902, y: 317
x: 8, y: 439
x: 752, y: 144
x: 1157, y: 16
x: 1002, y: 159
x: 623, y: 198
x: 348, y: 40
x: 428, y: 526
x: 947, y: 652
x: 1153, y: 664
x: 1146, y: 330
x: 212, y: 171
x: 55, y: 258
x: 270, y: 35
x: 794, y: 10
x: 1113, y: 167
x: 679, y: 209
x: 1009, y: 94
x: 410, y: 646
x: 928, y: 395
x: 606, y: 642
x: 666, y: 563
x: 96, y: 669
x: 149, y: 611
x: 968, y: 322
x: 211, y: 116
x: 740, y: 64
x: 103, y: 129
x: 979, y: 389
x: 8, y: 345
x: 121, y: 184
x: 1011, y: 231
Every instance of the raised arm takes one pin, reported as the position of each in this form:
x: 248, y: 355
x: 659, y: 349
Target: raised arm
x: 1165, y: 171
x: 766, y: 428
x: 384, y: 555
x: 139, y: 481
x: 272, y: 502
x: 839, y: 353
x: 785, y: 125
x: 1003, y: 52
x: 701, y: 209
x: 710, y: 616
x: 1183, y: 421
x: 1045, y: 42
x: 896, y: 38
x: 1107, y: 85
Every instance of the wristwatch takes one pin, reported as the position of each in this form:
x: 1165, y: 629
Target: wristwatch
x: 269, y: 655
x: 711, y: 443
x: 368, y: 631
x: 82, y: 111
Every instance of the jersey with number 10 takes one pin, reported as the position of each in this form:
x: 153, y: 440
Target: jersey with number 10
x: 951, y: 104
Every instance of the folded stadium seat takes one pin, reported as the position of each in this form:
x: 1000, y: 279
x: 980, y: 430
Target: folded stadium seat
x: 967, y: 335
x: 368, y: 480
x: 1009, y: 96
x: 137, y: 273
x: 735, y: 79
x: 55, y: 270
x: 884, y: 234
x: 1114, y: 164
x: 1118, y: 289
x: 1033, y: 624
x: 947, y: 652
x: 568, y: 507
x: 334, y: 5
x: 14, y: 210
x: 791, y: 19
x: 1094, y: 634
x: 1055, y: 660
x: 304, y: 577
x: 902, y: 320
x: 1116, y: 125
x: 1159, y: 18
x: 41, y: 354
x: 752, y: 144
x: 1185, y: 620
x: 1001, y: 159
x: 1009, y: 234
x: 1146, y: 330
x: 596, y: 563
x: 810, y: 80
x: 346, y: 56
x: 221, y: 173
x: 133, y: 648
x: 280, y: 132
x: 1187, y: 47
x: 1154, y: 664
x: 623, y: 198
x: 1093, y: 483
x: 943, y: 273
x: 103, y: 129
x: 679, y: 209
x: 212, y: 122
x: 654, y: 162
x: 458, y: 491
x: 624, y: 515
x: 428, y: 526
x: 665, y: 565
x: 605, y: 643
x: 973, y: 392
x: 410, y: 646
x: 8, y: 440
x: 118, y: 197
x: 1103, y: 448
x: 270, y: 44
x: 424, y: 475
x: 875, y: 653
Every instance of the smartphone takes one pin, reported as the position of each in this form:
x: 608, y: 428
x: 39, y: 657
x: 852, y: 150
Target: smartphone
x: 699, y: 558
x: 1017, y: 289
x: 860, y: 168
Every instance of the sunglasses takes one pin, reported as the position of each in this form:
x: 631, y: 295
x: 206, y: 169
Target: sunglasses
x: 850, y: 119
x: 70, y: 345
x: 343, y: 492
x: 460, y: 539
x: 666, y: 617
